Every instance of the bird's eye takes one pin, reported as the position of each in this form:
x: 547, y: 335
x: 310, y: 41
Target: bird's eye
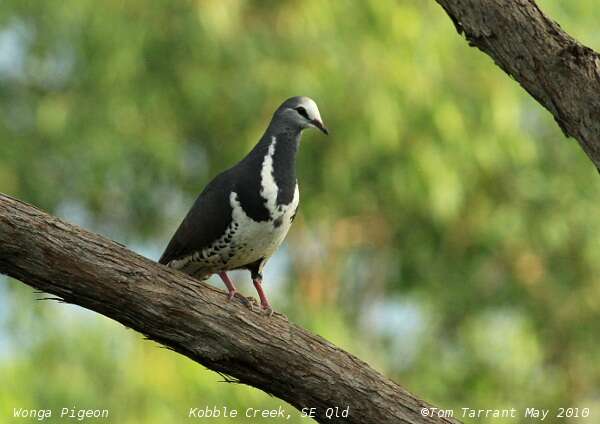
x: 302, y: 111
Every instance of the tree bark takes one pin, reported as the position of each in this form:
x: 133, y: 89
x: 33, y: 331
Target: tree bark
x: 562, y: 74
x: 195, y: 319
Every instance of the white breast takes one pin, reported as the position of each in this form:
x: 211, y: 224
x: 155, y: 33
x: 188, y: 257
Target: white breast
x: 260, y: 239
x: 263, y: 238
x: 246, y: 240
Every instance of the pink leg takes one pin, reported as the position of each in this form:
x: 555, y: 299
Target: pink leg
x: 230, y: 287
x: 264, y: 302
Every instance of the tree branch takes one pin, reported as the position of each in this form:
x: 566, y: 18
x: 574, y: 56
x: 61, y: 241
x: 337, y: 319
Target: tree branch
x: 562, y: 74
x: 194, y: 319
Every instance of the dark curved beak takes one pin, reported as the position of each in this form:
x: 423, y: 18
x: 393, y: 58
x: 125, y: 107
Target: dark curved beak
x: 320, y: 126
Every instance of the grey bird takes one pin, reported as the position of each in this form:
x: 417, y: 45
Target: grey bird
x: 241, y: 217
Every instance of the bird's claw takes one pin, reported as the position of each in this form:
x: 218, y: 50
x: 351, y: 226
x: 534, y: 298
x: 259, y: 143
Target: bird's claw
x: 251, y: 303
x: 267, y: 310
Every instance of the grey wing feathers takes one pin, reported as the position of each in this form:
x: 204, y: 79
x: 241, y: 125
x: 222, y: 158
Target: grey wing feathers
x: 206, y: 221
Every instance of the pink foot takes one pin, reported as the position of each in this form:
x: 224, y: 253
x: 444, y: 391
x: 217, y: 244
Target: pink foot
x: 230, y: 287
x: 264, y: 302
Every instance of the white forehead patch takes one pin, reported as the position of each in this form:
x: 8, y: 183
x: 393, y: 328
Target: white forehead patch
x: 311, y: 108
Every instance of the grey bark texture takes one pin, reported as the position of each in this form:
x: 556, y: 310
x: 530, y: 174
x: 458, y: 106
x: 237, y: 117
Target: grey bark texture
x: 195, y: 319
x: 562, y: 74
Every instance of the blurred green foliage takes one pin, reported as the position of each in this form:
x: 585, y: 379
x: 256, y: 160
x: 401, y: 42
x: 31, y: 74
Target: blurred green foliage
x: 447, y: 232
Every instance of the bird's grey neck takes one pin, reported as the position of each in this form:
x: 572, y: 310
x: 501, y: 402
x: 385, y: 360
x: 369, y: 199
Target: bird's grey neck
x: 285, y: 132
x: 287, y: 141
x: 282, y: 147
x: 272, y: 162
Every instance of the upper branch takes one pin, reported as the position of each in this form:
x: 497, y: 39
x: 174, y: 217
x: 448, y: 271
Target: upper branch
x: 195, y: 320
x: 558, y: 71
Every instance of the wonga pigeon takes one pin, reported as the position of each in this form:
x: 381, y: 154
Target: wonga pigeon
x: 245, y: 212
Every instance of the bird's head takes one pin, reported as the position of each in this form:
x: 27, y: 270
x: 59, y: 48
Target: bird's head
x: 302, y: 112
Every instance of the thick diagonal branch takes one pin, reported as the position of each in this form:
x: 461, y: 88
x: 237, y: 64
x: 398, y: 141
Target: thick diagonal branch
x: 195, y: 320
x: 562, y: 74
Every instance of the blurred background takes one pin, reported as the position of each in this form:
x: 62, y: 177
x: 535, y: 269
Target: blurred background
x: 447, y: 234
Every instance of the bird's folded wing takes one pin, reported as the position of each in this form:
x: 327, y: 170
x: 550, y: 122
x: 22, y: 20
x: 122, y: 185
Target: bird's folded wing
x: 206, y: 221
